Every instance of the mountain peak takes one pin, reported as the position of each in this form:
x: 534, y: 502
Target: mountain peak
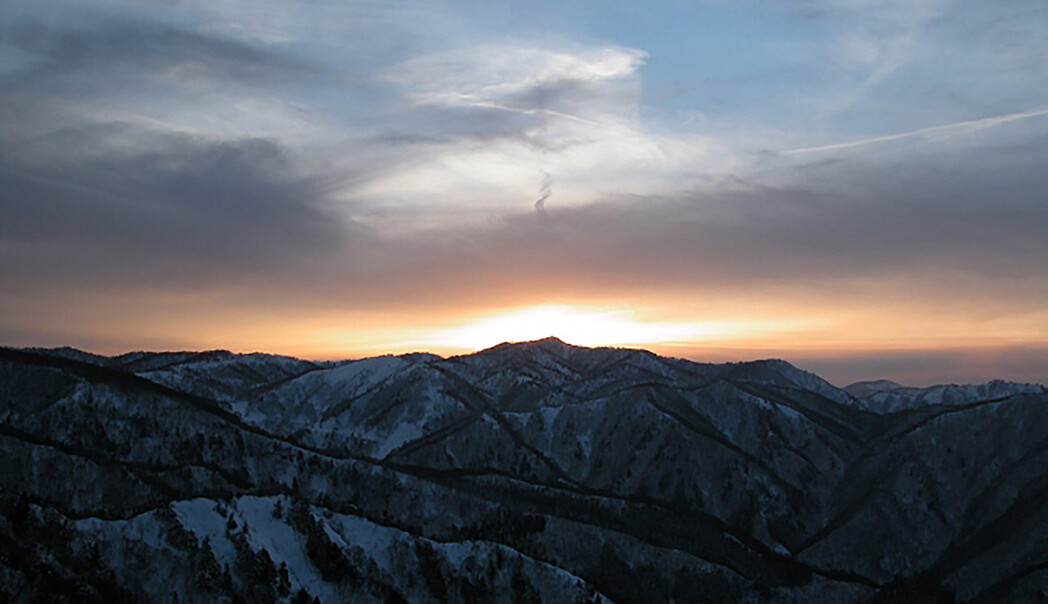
x: 549, y: 343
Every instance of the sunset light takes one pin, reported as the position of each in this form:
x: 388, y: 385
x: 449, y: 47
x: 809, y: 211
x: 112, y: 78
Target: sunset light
x: 573, y: 325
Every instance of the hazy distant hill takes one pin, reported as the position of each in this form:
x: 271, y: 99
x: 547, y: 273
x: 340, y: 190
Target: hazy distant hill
x: 530, y: 472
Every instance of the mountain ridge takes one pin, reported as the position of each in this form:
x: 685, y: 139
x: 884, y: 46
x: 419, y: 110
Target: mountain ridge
x: 859, y: 390
x: 732, y: 481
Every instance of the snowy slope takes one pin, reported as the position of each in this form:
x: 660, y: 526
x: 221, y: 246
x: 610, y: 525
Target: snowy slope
x: 536, y: 472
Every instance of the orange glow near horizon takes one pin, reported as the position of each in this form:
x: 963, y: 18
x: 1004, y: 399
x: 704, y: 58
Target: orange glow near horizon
x: 589, y: 326
x: 662, y: 324
x: 811, y: 331
x: 571, y: 324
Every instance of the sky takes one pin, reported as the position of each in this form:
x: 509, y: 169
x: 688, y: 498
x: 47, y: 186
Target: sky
x: 856, y: 186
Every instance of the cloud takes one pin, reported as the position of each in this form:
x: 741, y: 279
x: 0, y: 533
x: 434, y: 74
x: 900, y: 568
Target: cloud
x: 114, y: 204
x: 150, y: 49
x: 507, y: 73
x: 544, y: 96
x: 932, y: 132
x: 123, y: 207
x: 871, y: 41
x: 945, y: 222
x: 487, y: 120
x: 80, y: 66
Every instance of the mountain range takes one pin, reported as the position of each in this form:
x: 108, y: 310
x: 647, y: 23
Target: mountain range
x: 527, y: 472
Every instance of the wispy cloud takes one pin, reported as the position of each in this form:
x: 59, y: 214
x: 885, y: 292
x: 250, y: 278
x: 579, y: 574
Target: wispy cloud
x: 879, y: 37
x: 930, y: 133
x: 593, y: 86
x: 506, y: 114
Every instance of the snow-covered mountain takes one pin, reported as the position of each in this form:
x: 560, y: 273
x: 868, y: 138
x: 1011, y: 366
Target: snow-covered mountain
x: 886, y: 396
x: 535, y: 472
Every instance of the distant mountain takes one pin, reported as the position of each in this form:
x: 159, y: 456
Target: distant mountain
x: 528, y: 472
x: 886, y: 395
x: 871, y: 387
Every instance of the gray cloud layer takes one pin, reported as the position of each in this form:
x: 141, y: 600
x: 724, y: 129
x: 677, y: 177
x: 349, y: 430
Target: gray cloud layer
x: 145, y: 45
x: 174, y: 210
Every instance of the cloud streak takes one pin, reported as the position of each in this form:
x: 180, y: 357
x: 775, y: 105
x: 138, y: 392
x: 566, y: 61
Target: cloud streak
x: 932, y: 132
